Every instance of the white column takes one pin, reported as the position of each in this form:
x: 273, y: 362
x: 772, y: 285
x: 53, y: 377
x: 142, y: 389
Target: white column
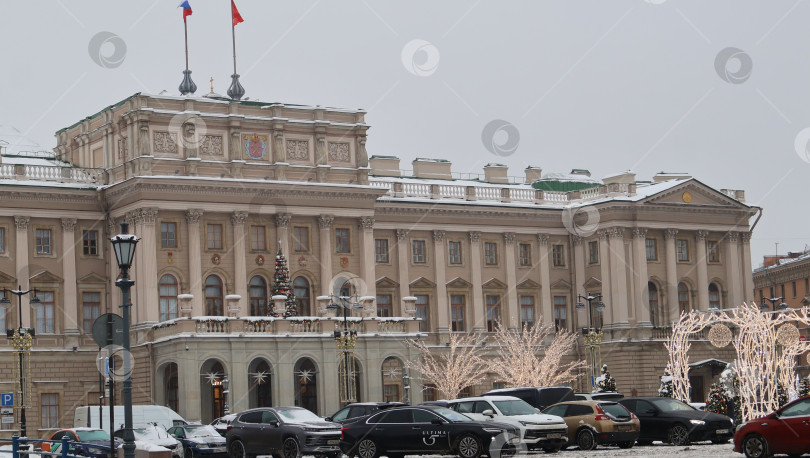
x: 195, y: 285
x: 283, y: 235
x: 604, y: 270
x: 478, y: 318
x: 148, y: 301
x: 579, y: 279
x: 135, y: 218
x: 70, y: 310
x: 545, y: 279
x: 240, y: 263
x: 641, y: 278
x: 747, y: 272
x: 325, y: 232
x: 671, y: 259
x: 402, y: 263
x: 442, y: 308
x: 21, y: 266
x: 368, y: 259
x: 702, y: 270
x: 733, y: 274
x: 618, y: 277
x: 511, y: 319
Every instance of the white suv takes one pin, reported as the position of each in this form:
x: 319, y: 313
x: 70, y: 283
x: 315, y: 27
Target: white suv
x: 537, y: 430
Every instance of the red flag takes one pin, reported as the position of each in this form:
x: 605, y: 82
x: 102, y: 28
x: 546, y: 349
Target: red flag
x: 237, y: 18
x: 186, y: 9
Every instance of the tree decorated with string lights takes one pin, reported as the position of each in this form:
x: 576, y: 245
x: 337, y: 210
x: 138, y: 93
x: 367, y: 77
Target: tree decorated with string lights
x: 282, y: 287
x: 717, y: 401
x: 804, y: 387
x: 605, y: 382
x: 452, y: 367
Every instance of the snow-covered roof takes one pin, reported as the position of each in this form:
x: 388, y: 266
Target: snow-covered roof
x: 786, y: 261
x: 558, y: 176
x: 16, y: 148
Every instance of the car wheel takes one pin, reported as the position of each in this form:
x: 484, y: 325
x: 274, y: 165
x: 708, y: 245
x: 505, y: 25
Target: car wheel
x: 188, y: 452
x: 755, y: 446
x: 626, y: 444
x: 367, y: 449
x: 586, y: 440
x: 678, y: 435
x: 468, y: 446
x: 237, y: 450
x: 290, y: 448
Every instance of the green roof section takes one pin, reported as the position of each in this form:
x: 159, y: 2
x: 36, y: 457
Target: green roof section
x: 565, y: 182
x: 378, y: 156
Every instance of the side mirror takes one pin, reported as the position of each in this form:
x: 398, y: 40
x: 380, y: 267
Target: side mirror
x: 328, y: 419
x: 489, y: 413
x: 274, y: 423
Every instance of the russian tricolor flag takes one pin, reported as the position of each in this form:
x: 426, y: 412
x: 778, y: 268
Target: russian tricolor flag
x: 186, y: 9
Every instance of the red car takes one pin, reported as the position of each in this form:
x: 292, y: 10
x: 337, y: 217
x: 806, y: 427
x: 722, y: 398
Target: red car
x: 785, y: 431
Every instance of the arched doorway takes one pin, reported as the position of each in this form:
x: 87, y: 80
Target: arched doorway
x: 213, y: 384
x: 306, y: 381
x: 260, y: 380
x: 171, y: 386
x: 302, y: 298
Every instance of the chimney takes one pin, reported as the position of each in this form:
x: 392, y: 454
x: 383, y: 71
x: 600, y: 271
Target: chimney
x: 384, y: 166
x: 626, y: 177
x: 533, y: 174
x: 433, y: 169
x: 496, y: 173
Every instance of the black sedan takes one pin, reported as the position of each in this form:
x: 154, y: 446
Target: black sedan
x: 287, y: 432
x: 360, y: 409
x: 676, y: 422
x: 430, y: 430
x: 200, y: 441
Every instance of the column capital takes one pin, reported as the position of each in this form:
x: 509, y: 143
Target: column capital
x: 193, y: 215
x: 438, y: 236
x: 577, y: 240
x: 746, y: 237
x: 475, y: 236
x: 509, y: 238
x: 366, y: 222
x: 543, y: 239
x: 701, y: 235
x: 325, y: 221
x: 283, y: 220
x: 732, y: 236
x: 604, y: 234
x: 143, y: 215
x: 239, y: 217
x: 617, y: 233
x: 68, y: 224
x: 670, y: 234
x: 640, y: 233
x: 22, y: 222
x: 402, y: 234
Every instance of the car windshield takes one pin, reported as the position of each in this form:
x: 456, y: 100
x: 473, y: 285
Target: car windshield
x: 299, y: 415
x: 201, y: 431
x: 94, y: 435
x: 150, y: 433
x: 451, y: 415
x: 615, y: 410
x: 515, y: 407
x: 672, y: 405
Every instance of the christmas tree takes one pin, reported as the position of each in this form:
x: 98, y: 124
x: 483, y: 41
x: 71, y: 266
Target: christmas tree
x: 665, y: 390
x: 605, y: 382
x: 281, y: 286
x: 781, y: 394
x: 804, y: 387
x: 717, y: 402
x: 730, y: 382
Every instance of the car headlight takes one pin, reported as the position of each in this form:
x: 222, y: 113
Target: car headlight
x: 527, y: 423
x: 494, y: 430
x: 697, y: 422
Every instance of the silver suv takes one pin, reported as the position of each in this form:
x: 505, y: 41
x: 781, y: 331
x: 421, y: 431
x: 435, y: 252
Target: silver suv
x: 537, y: 430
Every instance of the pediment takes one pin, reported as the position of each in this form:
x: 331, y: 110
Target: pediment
x: 528, y: 284
x: 6, y: 278
x: 459, y: 283
x: 386, y: 283
x: 92, y: 278
x: 44, y: 277
x: 494, y: 283
x: 561, y: 284
x: 693, y: 192
x: 592, y: 283
x: 422, y: 282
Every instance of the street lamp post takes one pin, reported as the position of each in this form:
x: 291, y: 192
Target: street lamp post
x: 592, y: 336
x: 124, y: 248
x: 21, y: 340
x: 346, y: 339
x: 774, y: 301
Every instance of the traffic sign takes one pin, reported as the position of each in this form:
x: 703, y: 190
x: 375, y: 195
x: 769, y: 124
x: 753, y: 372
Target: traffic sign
x: 7, y: 411
x: 802, y: 338
x: 7, y: 399
x: 103, y: 325
x: 7, y: 419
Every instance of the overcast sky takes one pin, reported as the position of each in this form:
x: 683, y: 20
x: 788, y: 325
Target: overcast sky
x: 718, y: 89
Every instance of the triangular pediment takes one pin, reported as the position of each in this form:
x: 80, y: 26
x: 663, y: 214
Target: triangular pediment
x: 494, y: 283
x: 692, y: 192
x: 458, y: 283
x: 422, y: 282
x: 45, y: 277
x: 561, y: 284
x: 92, y: 278
x: 6, y: 278
x: 386, y: 283
x: 592, y: 283
x: 528, y: 284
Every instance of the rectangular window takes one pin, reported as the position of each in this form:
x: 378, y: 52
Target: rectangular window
x: 454, y: 252
x: 682, y: 248
x: 558, y: 255
x: 490, y: 253
x: 429, y: 392
x: 794, y: 290
x: 258, y: 241
x: 49, y: 403
x: 560, y: 313
x: 593, y: 252
x: 384, y: 306
x: 381, y: 250
x: 90, y: 243
x: 713, y: 249
x: 418, y: 251
x: 300, y: 238
x: 91, y: 309
x: 526, y: 311
x: 457, y: 304
x: 168, y: 235
x: 45, y: 313
x: 423, y: 312
x: 43, y: 241
x: 214, y: 236
x: 807, y: 286
x: 2, y: 241
x: 651, y: 248
x: 498, y: 385
x: 525, y: 254
x: 493, y: 312
x: 391, y: 393
x: 342, y: 240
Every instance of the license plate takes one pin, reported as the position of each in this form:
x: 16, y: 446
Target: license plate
x: 333, y: 442
x: 553, y: 436
x: 218, y: 450
x: 722, y: 431
x: 623, y: 428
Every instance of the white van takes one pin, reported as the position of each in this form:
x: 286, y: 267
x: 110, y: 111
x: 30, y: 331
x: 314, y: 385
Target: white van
x: 142, y: 415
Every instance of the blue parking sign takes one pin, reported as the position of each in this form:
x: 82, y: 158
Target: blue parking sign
x: 7, y: 399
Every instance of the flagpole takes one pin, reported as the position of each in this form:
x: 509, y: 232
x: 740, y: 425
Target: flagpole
x: 185, y: 28
x: 187, y: 86
x: 236, y: 91
x: 233, y: 41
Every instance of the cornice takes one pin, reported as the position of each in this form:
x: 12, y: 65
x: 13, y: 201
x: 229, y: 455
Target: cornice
x: 88, y: 196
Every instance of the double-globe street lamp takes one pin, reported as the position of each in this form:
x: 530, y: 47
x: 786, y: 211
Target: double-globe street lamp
x: 774, y: 301
x: 21, y: 340
x: 124, y: 248
x: 346, y: 339
x: 591, y: 336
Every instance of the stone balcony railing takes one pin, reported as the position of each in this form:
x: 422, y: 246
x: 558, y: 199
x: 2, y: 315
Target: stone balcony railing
x: 52, y: 173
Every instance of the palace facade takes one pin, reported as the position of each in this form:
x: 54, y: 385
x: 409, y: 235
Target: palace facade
x: 216, y: 187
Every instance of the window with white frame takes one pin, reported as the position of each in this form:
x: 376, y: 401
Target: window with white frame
x: 560, y: 313
x: 593, y: 252
x: 558, y: 255
x: 493, y: 303
x: 91, y: 309
x: 167, y: 302
x: 168, y: 235
x: 682, y: 249
x: 713, y: 250
x: 43, y: 241
x: 49, y: 408
x: 385, y: 306
x: 2, y: 239
x: 214, y: 236
x: 257, y: 238
x: 524, y: 254
x: 453, y: 252
x: 90, y: 243
x: 381, y: 250
x: 301, y: 238
x: 651, y: 249
x: 342, y: 240
x: 526, y: 311
x: 418, y: 251
x: 457, y: 305
x: 45, y: 313
x: 423, y: 312
x: 490, y: 253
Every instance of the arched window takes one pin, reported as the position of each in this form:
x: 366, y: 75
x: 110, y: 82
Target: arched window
x: 168, y: 297
x: 683, y: 298
x: 655, y: 313
x: 213, y: 296
x: 714, y: 296
x: 258, y: 296
x: 302, y: 299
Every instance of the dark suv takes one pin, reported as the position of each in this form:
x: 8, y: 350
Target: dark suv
x: 360, y: 409
x: 287, y: 432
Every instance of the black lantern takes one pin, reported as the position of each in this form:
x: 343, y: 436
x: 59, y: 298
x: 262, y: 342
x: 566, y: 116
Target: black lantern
x: 124, y: 247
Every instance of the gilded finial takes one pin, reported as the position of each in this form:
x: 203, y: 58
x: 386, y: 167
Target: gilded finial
x: 212, y: 84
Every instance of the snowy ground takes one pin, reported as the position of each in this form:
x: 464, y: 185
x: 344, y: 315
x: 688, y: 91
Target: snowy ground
x: 656, y: 450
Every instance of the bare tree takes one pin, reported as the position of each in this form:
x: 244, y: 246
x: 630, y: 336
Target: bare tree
x: 450, y: 368
x: 523, y: 359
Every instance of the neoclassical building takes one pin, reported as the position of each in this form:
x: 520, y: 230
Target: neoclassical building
x: 216, y: 187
